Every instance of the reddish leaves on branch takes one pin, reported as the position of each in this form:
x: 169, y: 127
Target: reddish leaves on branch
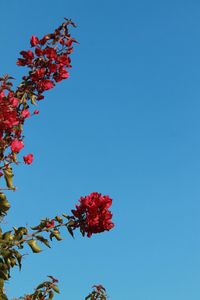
x: 48, y: 63
x: 98, y: 293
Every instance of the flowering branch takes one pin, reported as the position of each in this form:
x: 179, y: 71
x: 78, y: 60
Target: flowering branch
x: 91, y: 216
x: 48, y: 63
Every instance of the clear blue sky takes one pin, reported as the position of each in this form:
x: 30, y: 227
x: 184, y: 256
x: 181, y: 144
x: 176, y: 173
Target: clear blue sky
x: 127, y: 124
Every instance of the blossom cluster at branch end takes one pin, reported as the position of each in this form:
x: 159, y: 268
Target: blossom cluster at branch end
x: 93, y: 214
x: 48, y: 62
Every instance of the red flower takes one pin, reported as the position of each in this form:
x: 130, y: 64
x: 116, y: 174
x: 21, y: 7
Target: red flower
x: 27, y: 54
x: 70, y: 41
x: 62, y: 74
x: 25, y: 113
x: 38, y: 74
x: 64, y: 60
x: 52, y: 67
x: 50, y: 224
x: 39, y: 51
x: 45, y: 38
x: 16, y: 146
x: 50, y: 53
x: 28, y: 159
x: 93, y: 215
x: 40, y: 97
x: 34, y: 40
x: 27, y: 58
x: 14, y: 101
x: 47, y: 64
x: 8, y: 113
x: 46, y: 84
x: 21, y: 62
x: 36, y: 112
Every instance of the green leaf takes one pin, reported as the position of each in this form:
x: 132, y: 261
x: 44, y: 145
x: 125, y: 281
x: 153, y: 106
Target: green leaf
x: 8, y: 175
x: 13, y: 262
x: 55, y: 288
x: 33, y: 99
x: 38, y: 227
x: 43, y: 240
x: 51, y: 295
x: 3, y: 296
x: 59, y: 219
x: 56, y: 234
x: 41, y: 285
x: 4, y: 266
x: 65, y: 215
x: 4, y: 275
x: 19, y: 259
x: 8, y: 236
x: 20, y: 232
x: 34, y: 247
x: 69, y: 228
x: 4, y: 204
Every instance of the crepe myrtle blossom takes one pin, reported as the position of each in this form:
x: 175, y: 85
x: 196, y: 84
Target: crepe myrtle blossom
x: 49, y: 62
x: 28, y: 159
x: 25, y: 113
x: 92, y: 214
x: 8, y: 114
x: 16, y: 146
x: 34, y: 40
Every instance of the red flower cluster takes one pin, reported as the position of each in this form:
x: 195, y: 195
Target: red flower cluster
x: 48, y: 64
x: 93, y: 215
x: 16, y: 146
x: 9, y: 117
x: 13, y: 112
x: 50, y: 61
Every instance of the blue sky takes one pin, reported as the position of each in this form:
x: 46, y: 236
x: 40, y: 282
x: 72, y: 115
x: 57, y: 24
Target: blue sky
x: 126, y: 124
